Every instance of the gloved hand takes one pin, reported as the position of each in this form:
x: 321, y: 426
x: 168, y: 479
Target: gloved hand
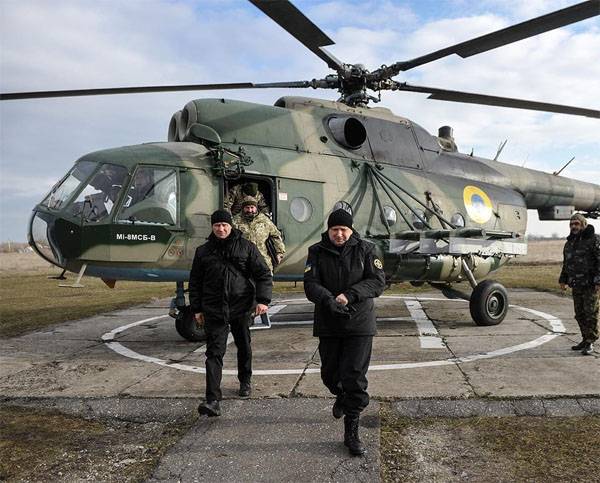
x: 338, y: 309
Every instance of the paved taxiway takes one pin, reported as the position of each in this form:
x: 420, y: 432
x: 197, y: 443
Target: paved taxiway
x: 427, y: 347
x: 428, y: 356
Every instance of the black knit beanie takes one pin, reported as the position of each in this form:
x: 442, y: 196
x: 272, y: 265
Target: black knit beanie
x: 340, y: 217
x: 221, y: 216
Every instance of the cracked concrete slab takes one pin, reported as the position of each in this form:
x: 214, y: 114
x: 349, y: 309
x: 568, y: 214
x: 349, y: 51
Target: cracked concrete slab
x: 72, y: 359
x: 272, y: 440
x: 468, y: 408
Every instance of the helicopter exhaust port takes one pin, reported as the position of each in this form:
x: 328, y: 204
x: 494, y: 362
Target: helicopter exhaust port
x: 182, y: 121
x: 446, y: 139
x: 348, y: 131
x: 173, y: 134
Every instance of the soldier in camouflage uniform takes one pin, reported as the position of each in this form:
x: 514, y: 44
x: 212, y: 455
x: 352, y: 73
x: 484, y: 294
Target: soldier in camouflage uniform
x: 236, y: 195
x: 581, y: 272
x: 258, y: 227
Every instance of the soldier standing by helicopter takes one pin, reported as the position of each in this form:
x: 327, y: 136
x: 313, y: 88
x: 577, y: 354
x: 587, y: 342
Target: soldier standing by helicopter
x: 236, y: 195
x: 229, y: 283
x: 342, y: 276
x: 260, y: 230
x: 581, y: 272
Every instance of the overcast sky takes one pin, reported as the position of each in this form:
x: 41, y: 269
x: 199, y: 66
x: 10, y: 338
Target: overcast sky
x: 70, y: 44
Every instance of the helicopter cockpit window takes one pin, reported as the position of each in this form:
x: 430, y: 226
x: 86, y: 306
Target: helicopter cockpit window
x: 97, y: 199
x: 151, y: 198
x: 63, y: 190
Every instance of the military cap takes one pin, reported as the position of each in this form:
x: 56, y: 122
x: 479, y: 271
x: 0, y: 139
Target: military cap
x: 249, y: 200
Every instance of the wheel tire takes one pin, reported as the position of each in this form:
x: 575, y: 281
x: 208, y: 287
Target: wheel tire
x: 489, y: 303
x: 187, y: 328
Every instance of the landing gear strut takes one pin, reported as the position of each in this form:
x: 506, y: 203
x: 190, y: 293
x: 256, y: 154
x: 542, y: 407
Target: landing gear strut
x: 185, y: 323
x: 489, y: 300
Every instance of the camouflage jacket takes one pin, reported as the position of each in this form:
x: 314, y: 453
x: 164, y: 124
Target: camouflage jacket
x: 257, y: 231
x: 233, y: 201
x: 581, y: 259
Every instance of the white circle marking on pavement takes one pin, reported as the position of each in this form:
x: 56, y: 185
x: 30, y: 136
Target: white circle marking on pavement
x: 558, y: 329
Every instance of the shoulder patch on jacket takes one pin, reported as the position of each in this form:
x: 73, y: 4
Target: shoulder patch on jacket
x: 307, y: 268
x: 378, y: 264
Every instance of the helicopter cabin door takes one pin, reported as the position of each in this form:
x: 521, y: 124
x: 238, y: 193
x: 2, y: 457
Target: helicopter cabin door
x: 300, y: 213
x: 200, y: 197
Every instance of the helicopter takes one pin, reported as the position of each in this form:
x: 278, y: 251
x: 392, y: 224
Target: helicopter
x: 435, y: 215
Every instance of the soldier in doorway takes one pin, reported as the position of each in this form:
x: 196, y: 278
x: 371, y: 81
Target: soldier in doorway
x: 236, y: 195
x: 259, y: 229
x: 581, y: 272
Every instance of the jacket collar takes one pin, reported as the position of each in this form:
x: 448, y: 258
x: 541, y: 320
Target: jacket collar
x: 588, y: 232
x: 217, y: 242
x: 326, y: 244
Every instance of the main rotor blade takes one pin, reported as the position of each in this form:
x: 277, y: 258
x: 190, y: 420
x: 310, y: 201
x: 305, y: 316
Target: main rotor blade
x: 471, y: 98
x: 287, y: 16
x: 139, y: 90
x: 508, y: 35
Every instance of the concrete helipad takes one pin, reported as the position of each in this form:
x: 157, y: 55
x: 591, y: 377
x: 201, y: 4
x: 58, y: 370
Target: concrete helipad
x: 427, y: 347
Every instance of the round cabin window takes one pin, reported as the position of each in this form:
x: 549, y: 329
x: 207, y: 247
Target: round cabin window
x: 301, y: 209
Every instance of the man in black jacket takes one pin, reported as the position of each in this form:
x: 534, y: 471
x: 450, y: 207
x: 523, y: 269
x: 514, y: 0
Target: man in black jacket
x: 342, y: 276
x: 229, y: 283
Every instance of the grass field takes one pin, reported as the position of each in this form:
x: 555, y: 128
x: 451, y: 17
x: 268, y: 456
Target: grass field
x: 489, y: 449
x: 31, y: 301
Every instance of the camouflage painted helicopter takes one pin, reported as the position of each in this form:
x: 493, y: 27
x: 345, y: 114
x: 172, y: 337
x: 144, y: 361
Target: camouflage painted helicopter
x: 435, y: 215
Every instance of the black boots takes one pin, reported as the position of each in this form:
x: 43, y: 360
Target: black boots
x: 245, y: 389
x: 210, y: 408
x: 587, y: 349
x: 351, y: 439
x: 337, y: 409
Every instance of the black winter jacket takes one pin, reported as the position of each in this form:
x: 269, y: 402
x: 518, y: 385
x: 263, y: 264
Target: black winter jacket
x: 581, y: 259
x: 228, y: 277
x: 354, y: 271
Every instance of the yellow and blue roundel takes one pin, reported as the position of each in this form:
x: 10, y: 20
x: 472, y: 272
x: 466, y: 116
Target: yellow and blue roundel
x: 478, y: 204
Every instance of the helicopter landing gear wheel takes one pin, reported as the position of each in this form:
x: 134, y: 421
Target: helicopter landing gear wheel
x: 186, y: 326
x: 489, y: 303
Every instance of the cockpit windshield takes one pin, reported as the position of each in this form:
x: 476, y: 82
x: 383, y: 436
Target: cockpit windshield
x: 151, y: 198
x: 98, y: 197
x: 63, y: 190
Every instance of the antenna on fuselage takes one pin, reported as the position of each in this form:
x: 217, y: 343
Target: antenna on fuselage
x: 500, y: 148
x: 556, y: 173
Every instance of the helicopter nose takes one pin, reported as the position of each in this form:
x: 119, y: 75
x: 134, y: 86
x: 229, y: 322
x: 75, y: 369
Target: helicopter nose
x: 42, y: 239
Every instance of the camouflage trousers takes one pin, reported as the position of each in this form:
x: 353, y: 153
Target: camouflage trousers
x: 586, y: 301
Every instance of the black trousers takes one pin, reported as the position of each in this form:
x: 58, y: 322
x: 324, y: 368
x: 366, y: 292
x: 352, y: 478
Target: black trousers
x: 344, y: 365
x: 216, y: 345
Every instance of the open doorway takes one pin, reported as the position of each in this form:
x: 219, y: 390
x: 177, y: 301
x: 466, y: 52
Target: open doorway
x: 259, y: 187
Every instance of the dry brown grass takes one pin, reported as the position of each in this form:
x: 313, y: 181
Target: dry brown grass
x: 45, y: 445
x: 489, y: 449
x: 31, y: 301
x: 542, y: 252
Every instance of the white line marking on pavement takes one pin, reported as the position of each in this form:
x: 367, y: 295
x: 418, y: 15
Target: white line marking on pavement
x: 556, y: 324
x: 557, y: 330
x: 428, y: 334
